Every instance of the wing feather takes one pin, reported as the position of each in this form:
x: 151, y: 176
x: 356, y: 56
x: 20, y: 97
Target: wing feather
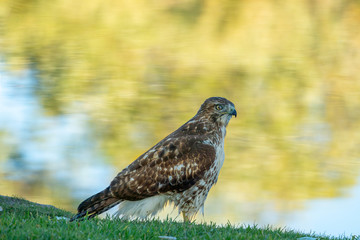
x: 170, y: 166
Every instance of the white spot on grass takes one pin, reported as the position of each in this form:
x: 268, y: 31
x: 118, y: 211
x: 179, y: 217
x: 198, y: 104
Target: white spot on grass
x: 167, y: 237
x: 62, y: 218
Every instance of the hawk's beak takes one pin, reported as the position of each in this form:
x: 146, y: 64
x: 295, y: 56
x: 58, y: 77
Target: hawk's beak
x: 233, y: 112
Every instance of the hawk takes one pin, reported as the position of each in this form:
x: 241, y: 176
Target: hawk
x: 180, y: 169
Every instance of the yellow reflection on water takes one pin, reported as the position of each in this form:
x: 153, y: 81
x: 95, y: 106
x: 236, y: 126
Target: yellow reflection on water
x: 140, y: 69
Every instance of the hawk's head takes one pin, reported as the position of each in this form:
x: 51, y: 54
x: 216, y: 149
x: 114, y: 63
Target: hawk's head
x: 218, y: 109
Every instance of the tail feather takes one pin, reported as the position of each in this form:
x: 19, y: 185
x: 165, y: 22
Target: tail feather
x: 96, y: 204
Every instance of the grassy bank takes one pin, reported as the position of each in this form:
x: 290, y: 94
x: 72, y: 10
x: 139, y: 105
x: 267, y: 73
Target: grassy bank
x: 21, y: 219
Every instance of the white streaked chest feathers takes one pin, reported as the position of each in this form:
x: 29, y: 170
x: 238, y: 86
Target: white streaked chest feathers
x: 219, y: 151
x: 197, y: 194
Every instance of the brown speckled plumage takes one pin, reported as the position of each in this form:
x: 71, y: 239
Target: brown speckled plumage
x: 181, y: 168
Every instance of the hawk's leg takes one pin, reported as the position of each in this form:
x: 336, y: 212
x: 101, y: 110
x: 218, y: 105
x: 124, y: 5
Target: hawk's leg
x: 186, y: 218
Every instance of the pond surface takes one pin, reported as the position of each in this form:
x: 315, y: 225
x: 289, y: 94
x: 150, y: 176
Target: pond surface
x: 87, y: 87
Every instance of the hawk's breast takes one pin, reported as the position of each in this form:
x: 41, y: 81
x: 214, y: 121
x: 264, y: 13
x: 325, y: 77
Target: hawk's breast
x: 193, y: 199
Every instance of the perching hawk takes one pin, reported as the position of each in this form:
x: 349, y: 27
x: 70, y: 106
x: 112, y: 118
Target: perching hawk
x: 180, y: 169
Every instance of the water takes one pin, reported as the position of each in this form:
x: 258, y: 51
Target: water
x: 86, y: 89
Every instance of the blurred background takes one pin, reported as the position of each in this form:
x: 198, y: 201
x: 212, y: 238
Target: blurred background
x: 88, y: 86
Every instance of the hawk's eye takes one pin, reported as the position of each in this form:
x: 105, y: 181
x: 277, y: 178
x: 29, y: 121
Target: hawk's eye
x: 218, y: 107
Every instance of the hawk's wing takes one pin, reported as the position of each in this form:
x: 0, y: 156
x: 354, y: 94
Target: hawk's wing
x: 172, y: 165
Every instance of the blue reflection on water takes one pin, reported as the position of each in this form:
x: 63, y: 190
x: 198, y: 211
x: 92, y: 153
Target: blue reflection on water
x: 53, y: 150
x: 339, y: 216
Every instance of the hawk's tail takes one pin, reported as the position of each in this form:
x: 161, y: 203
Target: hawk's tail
x: 96, y: 205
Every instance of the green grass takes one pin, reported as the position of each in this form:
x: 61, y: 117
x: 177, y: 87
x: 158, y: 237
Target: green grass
x: 21, y: 219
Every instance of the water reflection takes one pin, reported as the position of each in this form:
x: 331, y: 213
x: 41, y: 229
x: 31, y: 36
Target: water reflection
x: 87, y: 87
x: 45, y: 154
